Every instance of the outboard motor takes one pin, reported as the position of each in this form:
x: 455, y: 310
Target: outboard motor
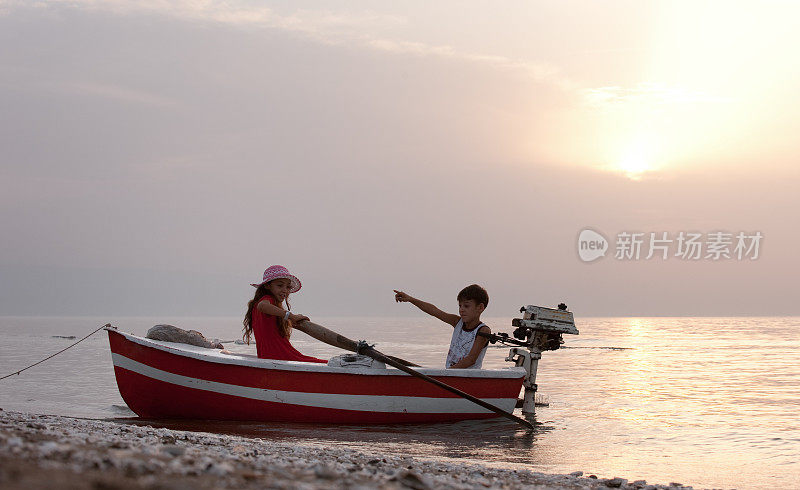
x: 540, y: 329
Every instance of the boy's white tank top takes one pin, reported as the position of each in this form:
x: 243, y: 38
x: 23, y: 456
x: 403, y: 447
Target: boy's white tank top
x: 461, y: 343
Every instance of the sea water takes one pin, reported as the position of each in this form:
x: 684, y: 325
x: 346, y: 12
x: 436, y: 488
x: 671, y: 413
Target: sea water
x: 709, y: 402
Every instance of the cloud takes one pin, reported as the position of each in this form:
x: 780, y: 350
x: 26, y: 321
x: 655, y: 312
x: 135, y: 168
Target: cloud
x: 648, y: 94
x: 541, y: 72
x: 115, y: 92
x: 196, y: 124
x: 313, y: 22
x: 333, y: 28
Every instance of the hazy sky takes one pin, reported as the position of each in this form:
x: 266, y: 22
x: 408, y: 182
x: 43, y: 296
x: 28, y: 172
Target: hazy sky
x: 156, y: 156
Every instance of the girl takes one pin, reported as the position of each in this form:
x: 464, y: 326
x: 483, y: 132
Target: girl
x: 269, y: 321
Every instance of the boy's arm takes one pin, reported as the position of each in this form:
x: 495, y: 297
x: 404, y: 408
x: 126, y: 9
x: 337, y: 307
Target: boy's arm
x: 428, y: 308
x: 477, y: 347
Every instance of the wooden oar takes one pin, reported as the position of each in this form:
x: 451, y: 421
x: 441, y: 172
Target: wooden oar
x: 330, y: 337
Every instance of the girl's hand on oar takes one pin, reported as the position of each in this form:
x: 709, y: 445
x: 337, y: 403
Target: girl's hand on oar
x: 297, y: 318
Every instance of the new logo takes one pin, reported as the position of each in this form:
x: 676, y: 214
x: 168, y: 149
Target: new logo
x: 591, y: 245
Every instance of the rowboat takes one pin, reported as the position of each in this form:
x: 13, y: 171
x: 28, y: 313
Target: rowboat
x: 166, y: 380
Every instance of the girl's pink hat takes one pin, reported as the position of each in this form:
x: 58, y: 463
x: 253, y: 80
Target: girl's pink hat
x: 280, y: 272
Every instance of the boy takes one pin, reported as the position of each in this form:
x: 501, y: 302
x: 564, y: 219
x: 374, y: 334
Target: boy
x: 467, y: 349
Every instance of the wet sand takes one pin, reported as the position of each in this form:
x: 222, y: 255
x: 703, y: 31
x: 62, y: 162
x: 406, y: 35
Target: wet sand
x: 38, y: 451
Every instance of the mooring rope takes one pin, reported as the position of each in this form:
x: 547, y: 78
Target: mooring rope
x: 57, y: 353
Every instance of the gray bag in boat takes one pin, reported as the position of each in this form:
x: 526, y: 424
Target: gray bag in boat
x: 171, y: 333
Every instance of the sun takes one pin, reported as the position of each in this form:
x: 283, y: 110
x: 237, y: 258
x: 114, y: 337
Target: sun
x: 638, y: 158
x: 634, y: 165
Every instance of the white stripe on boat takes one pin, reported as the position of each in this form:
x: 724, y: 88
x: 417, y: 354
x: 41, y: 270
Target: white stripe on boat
x: 214, y: 355
x: 365, y: 403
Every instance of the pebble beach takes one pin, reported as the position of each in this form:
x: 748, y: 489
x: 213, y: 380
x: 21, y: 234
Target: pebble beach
x: 38, y: 451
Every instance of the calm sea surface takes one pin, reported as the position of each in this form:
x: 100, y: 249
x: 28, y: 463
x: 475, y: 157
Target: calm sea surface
x: 709, y: 402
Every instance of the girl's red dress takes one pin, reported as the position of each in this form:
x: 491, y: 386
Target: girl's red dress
x: 270, y: 344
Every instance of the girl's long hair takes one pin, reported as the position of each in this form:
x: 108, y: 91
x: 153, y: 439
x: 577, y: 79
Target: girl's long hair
x: 284, y: 326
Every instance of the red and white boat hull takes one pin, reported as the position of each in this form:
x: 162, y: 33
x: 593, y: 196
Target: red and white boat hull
x: 167, y: 380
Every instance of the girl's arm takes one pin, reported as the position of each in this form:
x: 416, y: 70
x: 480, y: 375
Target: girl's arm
x: 428, y: 308
x: 268, y: 308
x: 477, y: 347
